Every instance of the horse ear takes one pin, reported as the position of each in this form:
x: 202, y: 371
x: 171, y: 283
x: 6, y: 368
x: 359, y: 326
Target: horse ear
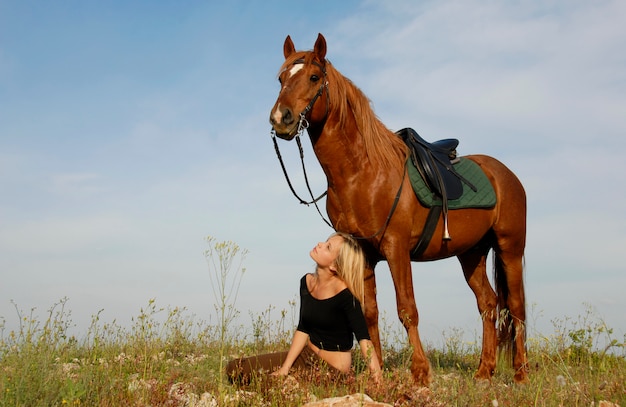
x: 288, y: 47
x: 320, y: 47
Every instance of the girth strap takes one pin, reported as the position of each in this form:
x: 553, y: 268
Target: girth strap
x: 427, y: 232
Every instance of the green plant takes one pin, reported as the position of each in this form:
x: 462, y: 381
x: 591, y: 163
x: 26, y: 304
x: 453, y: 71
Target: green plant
x: 225, y: 261
x: 270, y: 332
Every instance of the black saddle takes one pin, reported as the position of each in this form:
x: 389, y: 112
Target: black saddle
x: 434, y: 161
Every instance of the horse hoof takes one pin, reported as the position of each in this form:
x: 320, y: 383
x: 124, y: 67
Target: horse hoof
x: 521, y: 378
x: 422, y: 379
x: 482, y: 382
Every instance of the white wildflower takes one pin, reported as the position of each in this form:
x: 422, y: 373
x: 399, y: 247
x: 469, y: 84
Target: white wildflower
x: 206, y: 400
x: 121, y: 358
x: 181, y: 391
x: 140, y: 384
x: 69, y: 370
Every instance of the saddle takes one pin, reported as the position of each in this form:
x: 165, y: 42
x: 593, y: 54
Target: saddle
x: 435, y: 163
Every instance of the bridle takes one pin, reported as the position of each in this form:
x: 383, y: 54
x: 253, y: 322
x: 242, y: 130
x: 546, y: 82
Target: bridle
x: 303, y: 124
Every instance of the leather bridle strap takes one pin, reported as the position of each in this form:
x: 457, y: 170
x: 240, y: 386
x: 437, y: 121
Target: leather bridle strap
x: 282, y: 165
x: 303, y: 124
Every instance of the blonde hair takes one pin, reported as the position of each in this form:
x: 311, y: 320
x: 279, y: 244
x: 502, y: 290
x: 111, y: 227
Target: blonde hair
x: 350, y: 264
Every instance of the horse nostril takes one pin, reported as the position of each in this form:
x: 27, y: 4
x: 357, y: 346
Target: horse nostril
x: 282, y: 117
x: 287, y: 117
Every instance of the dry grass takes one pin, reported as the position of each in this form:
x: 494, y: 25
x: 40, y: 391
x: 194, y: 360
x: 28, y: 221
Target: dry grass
x: 168, y: 359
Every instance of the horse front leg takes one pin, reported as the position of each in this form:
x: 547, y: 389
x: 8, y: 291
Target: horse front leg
x: 371, y: 311
x: 401, y: 273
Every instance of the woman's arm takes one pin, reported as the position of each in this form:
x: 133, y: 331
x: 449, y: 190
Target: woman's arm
x: 369, y: 354
x: 298, y: 343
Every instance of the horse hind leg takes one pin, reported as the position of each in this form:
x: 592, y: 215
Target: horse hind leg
x: 474, y: 267
x: 508, y: 278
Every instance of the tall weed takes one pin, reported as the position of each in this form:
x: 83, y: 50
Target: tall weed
x: 225, y: 261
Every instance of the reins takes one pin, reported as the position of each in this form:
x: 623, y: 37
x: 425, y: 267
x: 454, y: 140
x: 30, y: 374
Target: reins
x: 306, y: 178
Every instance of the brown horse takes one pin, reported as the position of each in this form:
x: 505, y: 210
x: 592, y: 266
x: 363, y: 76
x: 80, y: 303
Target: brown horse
x: 364, y: 163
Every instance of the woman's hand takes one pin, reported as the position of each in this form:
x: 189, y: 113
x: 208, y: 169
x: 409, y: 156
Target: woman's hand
x: 281, y: 371
x: 298, y: 343
x: 376, y: 372
x: 377, y: 375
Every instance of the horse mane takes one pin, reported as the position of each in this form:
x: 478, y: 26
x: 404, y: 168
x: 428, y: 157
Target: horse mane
x: 382, y: 146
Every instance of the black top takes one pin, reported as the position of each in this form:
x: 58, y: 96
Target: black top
x: 330, y: 323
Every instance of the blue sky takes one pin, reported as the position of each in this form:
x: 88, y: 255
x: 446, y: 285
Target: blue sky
x: 130, y: 131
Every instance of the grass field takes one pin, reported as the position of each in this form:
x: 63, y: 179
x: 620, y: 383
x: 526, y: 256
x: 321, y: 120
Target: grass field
x: 169, y: 359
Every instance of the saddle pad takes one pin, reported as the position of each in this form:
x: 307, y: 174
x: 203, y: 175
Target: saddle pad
x: 484, y: 197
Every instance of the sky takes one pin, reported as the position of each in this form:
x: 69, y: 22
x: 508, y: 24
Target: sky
x: 131, y: 131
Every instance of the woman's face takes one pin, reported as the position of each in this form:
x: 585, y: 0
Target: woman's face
x: 325, y: 253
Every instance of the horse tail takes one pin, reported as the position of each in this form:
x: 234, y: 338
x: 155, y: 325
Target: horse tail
x: 504, y: 320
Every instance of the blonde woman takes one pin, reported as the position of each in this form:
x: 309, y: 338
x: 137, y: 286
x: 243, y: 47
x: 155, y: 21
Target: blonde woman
x: 330, y: 316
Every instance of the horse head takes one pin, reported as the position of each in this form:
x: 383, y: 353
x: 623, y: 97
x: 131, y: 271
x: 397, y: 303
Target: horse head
x: 303, y: 80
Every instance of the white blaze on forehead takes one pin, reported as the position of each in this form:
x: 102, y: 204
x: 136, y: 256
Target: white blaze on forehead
x: 277, y: 114
x: 295, y: 69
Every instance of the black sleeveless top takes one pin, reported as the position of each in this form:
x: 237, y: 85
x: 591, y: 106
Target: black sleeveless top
x: 331, y: 323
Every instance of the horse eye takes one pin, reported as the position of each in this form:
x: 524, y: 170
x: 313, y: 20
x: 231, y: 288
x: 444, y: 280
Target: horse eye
x: 315, y: 78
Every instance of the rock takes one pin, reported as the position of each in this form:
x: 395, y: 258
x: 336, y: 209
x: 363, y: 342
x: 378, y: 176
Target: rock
x: 352, y: 400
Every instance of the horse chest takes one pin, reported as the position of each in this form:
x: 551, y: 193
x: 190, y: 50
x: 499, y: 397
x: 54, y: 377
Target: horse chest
x: 353, y: 208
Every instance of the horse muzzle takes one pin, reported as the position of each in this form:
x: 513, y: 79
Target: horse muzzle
x: 285, y: 136
x: 284, y: 123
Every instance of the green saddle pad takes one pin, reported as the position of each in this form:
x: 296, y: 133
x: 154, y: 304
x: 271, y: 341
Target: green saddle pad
x: 484, y: 197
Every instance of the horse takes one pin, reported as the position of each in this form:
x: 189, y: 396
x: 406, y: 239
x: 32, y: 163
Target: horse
x: 369, y: 196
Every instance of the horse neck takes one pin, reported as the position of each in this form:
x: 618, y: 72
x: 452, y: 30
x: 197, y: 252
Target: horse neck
x: 351, y: 140
x: 339, y: 148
